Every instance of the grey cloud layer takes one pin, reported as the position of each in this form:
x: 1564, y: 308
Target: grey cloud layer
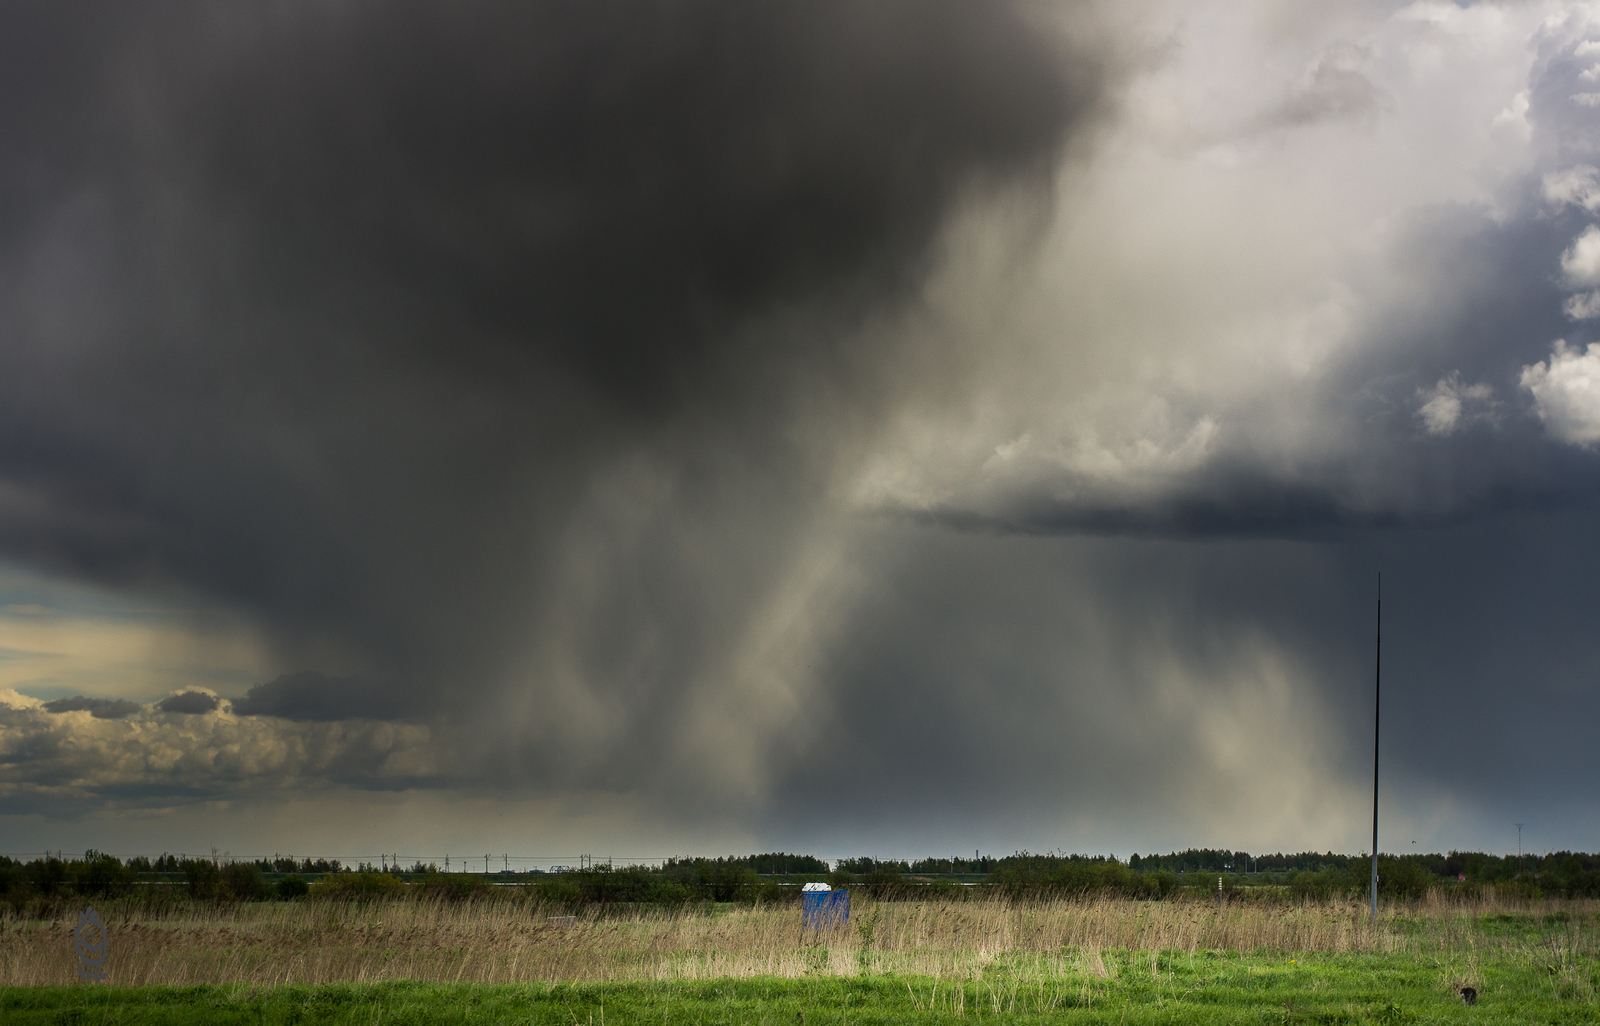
x: 99, y: 708
x: 752, y: 410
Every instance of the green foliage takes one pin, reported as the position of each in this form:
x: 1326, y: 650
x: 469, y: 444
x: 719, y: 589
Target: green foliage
x: 785, y: 864
x: 292, y: 887
x: 1197, y: 860
x: 983, y: 865
x: 1139, y: 989
x: 455, y: 886
x: 726, y: 879
x: 357, y: 886
x: 1037, y: 876
x: 101, y: 875
x: 1571, y: 875
x: 632, y: 885
x: 204, y: 879
x: 243, y: 881
x: 1323, y: 884
x: 866, y: 864
x: 1304, y: 876
x: 289, y: 864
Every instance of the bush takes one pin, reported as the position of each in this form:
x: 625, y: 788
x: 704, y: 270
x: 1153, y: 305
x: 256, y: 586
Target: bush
x: 292, y: 887
x: 100, y: 875
x: 1402, y: 878
x: 1324, y: 884
x: 242, y: 881
x: 204, y: 878
x: 632, y: 885
x: 357, y: 885
x: 725, y: 879
x: 1570, y: 875
x: 455, y: 886
x: 1035, y: 876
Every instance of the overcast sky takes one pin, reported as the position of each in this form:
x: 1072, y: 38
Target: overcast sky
x: 896, y: 427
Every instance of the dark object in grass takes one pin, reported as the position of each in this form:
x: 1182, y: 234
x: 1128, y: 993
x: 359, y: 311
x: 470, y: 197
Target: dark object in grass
x: 1469, y: 996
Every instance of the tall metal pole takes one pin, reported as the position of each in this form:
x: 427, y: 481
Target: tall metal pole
x: 1377, y: 682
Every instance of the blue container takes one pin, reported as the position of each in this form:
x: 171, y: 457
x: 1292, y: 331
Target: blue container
x: 823, y: 910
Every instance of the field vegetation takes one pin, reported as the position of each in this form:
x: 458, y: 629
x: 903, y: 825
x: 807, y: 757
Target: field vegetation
x: 1042, y: 938
x: 521, y: 938
x: 518, y: 958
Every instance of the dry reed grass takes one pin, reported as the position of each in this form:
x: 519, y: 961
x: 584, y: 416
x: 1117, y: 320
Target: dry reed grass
x: 509, y: 941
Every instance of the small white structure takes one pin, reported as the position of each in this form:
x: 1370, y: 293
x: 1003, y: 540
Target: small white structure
x: 816, y: 887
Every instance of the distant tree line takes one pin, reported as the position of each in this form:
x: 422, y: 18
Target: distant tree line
x: 1210, y: 860
x: 752, y: 878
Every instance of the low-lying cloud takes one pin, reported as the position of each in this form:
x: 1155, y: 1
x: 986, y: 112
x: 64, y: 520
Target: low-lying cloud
x: 189, y: 703
x: 99, y: 708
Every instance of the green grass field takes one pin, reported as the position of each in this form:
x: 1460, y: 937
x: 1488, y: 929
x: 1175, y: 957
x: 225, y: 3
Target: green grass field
x: 1537, y: 984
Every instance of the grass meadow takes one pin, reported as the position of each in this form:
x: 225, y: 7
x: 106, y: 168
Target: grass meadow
x: 1092, y: 960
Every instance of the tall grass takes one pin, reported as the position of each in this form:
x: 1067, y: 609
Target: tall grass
x: 311, y: 942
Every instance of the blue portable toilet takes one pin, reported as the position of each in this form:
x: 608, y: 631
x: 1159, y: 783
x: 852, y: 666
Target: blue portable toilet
x: 822, y: 908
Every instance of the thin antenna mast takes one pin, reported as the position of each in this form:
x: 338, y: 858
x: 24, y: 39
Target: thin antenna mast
x: 1377, y: 681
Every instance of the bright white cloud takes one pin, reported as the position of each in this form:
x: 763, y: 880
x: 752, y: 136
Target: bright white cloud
x: 1581, y: 262
x: 1215, y: 261
x: 1566, y: 393
x: 1576, y: 186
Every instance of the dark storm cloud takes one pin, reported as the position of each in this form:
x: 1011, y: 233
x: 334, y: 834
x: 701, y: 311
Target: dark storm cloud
x: 607, y: 184
x: 99, y: 708
x: 349, y: 315
x: 501, y: 360
x: 613, y: 183
x: 189, y: 703
x: 311, y: 696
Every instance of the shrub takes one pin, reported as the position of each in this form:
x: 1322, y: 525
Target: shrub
x: 632, y: 885
x: 1323, y: 884
x: 357, y: 885
x: 242, y: 881
x: 1034, y: 876
x: 1402, y: 878
x: 292, y: 887
x: 204, y: 878
x: 725, y: 879
x: 101, y: 875
x: 455, y: 886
